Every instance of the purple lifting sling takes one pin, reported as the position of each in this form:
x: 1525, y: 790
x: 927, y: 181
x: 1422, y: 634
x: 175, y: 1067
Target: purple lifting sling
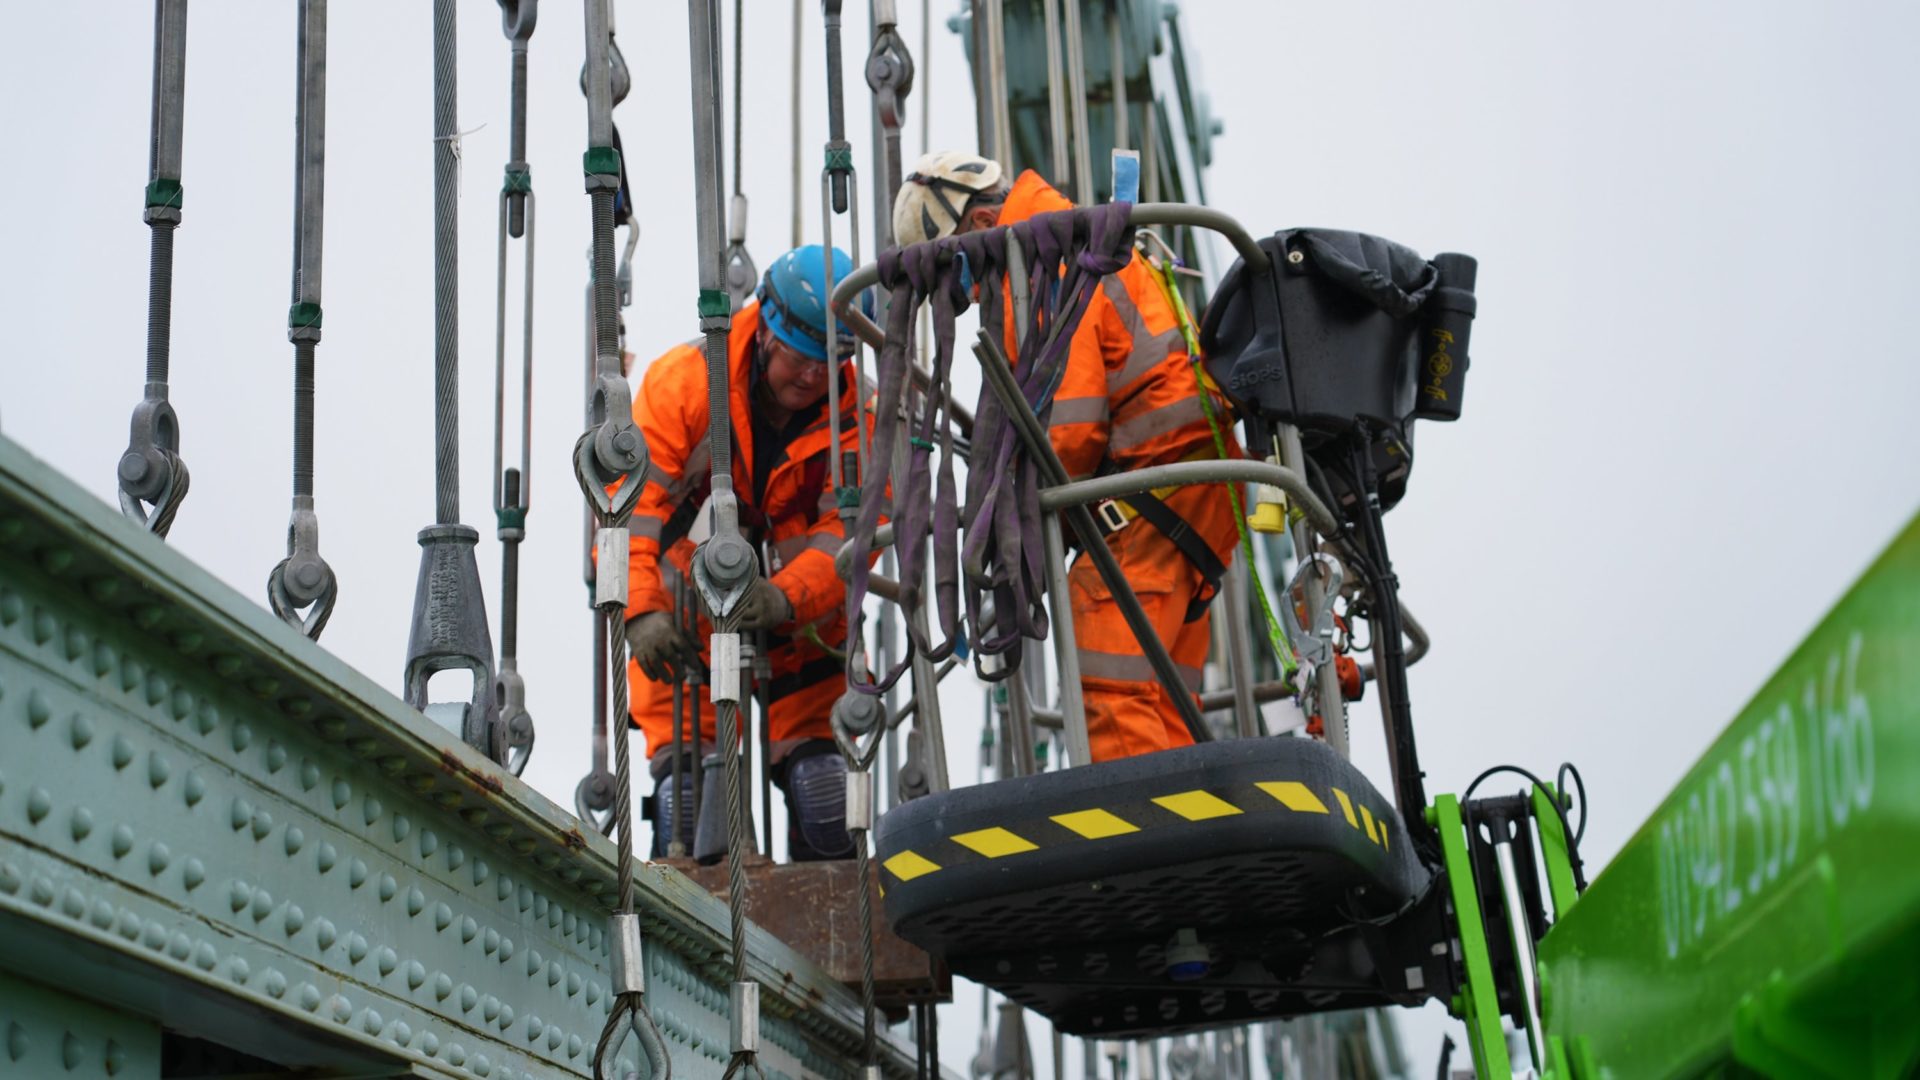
x: 1065, y: 254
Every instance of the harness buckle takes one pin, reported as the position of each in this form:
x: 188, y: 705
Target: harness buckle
x: 1108, y: 513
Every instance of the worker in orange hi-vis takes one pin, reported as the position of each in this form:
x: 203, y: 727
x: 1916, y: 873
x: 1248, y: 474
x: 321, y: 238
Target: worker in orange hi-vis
x: 1129, y: 398
x: 777, y: 357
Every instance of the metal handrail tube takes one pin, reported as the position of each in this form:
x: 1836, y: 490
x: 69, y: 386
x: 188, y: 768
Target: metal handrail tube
x: 1181, y: 473
x: 1200, y: 217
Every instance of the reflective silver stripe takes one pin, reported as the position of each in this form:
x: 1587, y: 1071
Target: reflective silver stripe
x: 1149, y: 350
x: 827, y: 542
x: 790, y: 546
x: 1078, y: 410
x: 1130, y: 667
x: 648, y: 527
x: 1135, y: 430
x: 828, y: 502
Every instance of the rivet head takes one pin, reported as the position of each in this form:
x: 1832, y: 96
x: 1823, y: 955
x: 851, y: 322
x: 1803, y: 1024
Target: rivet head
x: 402, y: 1034
x: 262, y: 904
x: 372, y: 809
x: 9, y: 878
x: 535, y: 1029
x: 39, y: 805
x: 573, y: 984
x: 385, y: 960
x: 469, y: 997
x: 490, y: 942
x: 81, y: 823
x: 72, y: 903
x: 323, y: 933
x: 553, y: 973
x: 442, y: 986
x: 388, y: 887
x: 276, y: 756
x: 80, y: 730
x: 490, y: 1008
x: 192, y: 874
x: 506, y: 1016
x: 296, y: 839
x: 309, y: 775
x: 326, y: 856
x: 205, y: 957
x: 309, y: 997
x: 122, y: 752
x: 442, y: 916
x: 242, y: 736
x: 275, y: 984
x: 356, y: 873
x: 429, y: 843
x: 72, y: 1053
x: 295, y: 919
x: 193, y: 789
x: 342, y: 1009
x: 262, y: 824
x: 238, y: 970
x: 401, y: 827
x: 41, y: 891
x: 122, y: 840
x: 157, y: 769
x: 158, y: 856
x: 356, y: 948
x: 416, y: 901
x: 39, y: 709
x: 342, y: 791
x: 242, y: 813
x: 468, y: 928
x: 179, y: 946
x: 240, y: 895
x: 416, y: 975
x: 456, y: 1055
x: 429, y: 1043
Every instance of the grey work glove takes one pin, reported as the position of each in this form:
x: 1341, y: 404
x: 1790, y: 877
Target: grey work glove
x: 765, y: 606
x: 660, y: 647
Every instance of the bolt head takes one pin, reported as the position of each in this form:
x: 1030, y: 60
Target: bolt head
x: 307, y: 576
x: 134, y: 467
x: 1296, y: 257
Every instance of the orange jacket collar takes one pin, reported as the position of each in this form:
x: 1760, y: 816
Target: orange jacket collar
x: 1031, y: 195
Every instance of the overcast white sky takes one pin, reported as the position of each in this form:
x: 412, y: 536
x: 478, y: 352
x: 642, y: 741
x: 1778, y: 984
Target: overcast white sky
x: 1687, y: 428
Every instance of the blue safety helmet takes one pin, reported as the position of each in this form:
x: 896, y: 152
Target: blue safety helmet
x: 793, y: 301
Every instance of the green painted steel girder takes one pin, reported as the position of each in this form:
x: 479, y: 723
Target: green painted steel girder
x: 1768, y: 914
x: 213, y: 828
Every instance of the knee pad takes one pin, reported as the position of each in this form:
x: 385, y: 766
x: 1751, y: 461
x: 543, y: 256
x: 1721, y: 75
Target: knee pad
x: 671, y: 807
x: 816, y: 790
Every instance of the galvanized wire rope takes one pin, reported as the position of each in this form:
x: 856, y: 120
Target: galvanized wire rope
x: 150, y: 472
x: 610, y: 451
x: 446, y: 263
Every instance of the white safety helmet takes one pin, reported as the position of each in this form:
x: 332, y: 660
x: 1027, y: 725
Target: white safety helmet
x: 934, y: 196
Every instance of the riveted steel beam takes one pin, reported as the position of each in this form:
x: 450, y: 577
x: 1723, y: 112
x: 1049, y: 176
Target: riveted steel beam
x: 212, y: 826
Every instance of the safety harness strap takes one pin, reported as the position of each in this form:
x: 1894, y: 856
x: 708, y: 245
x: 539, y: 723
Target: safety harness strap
x: 1189, y: 543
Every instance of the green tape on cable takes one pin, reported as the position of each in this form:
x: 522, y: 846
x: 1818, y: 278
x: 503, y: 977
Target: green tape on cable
x: 847, y: 497
x: 714, y: 303
x: 520, y: 181
x: 303, y: 316
x: 166, y: 192
x: 511, y: 517
x: 839, y: 159
x: 601, y: 161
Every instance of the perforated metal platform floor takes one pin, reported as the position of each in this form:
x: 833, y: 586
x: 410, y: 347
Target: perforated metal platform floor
x: 1180, y: 890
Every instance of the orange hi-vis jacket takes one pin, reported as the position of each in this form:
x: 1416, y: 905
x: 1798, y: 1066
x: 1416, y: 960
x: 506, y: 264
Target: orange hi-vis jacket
x: 1129, y: 398
x: 796, y: 514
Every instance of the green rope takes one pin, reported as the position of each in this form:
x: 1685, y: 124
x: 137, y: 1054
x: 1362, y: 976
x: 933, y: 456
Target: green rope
x: 1282, y: 651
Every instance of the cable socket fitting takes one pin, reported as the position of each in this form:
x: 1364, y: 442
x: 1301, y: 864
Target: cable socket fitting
x: 745, y: 1000
x: 629, y: 955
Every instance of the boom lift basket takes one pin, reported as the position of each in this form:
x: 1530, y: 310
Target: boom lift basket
x: 1185, y: 889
